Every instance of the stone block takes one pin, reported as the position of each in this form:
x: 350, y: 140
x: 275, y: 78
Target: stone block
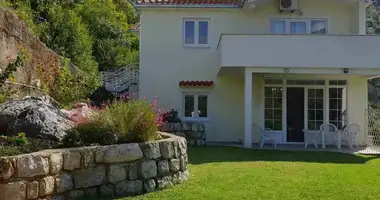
x: 164, y: 182
x: 71, y: 160
x: 167, y: 150
x: 119, y: 153
x: 91, y: 192
x: 32, y: 190
x: 183, y: 176
x: 151, y: 150
x: 117, y: 173
x: 64, y: 183
x: 176, y: 150
x: 184, y: 162
x: 107, y: 190
x: 46, y: 186
x: 182, y: 146
x: 88, y: 157
x: 56, y: 163
x: 127, y: 188
x: 30, y: 166
x: 60, y: 197
x: 149, y: 185
x: 163, y: 167
x: 175, y: 178
x: 132, y: 171
x: 89, y: 177
x: 148, y: 169
x: 174, y: 165
x: 14, y: 191
x: 6, y: 168
x: 75, y: 195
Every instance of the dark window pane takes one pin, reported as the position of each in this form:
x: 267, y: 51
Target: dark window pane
x: 277, y: 81
x: 318, y: 124
x: 203, y: 32
x: 189, y: 32
x: 311, y: 104
x: 318, y: 27
x: 268, y: 114
x: 311, y: 94
x: 333, y: 93
x: 333, y: 103
x: 319, y: 115
x: 269, y: 124
x: 311, y: 125
x: 333, y: 82
x: 268, y: 103
x: 277, y: 114
x: 319, y: 103
x: 189, y: 105
x: 202, y: 105
x: 339, y: 103
x: 311, y: 114
x: 268, y: 92
x: 277, y: 103
x: 319, y: 93
x: 333, y: 115
x: 340, y: 92
x: 277, y: 125
x: 320, y: 82
x: 342, y: 82
x: 277, y: 92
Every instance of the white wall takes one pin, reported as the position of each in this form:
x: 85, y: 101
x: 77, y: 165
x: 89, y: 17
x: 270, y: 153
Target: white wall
x: 164, y: 62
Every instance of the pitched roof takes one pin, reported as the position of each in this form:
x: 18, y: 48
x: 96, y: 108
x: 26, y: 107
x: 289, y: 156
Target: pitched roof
x: 189, y: 2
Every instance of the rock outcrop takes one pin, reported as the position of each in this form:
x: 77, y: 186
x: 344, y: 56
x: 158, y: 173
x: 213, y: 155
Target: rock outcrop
x: 37, y: 117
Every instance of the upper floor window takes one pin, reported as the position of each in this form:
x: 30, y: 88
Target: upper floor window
x: 298, y: 26
x: 195, y: 32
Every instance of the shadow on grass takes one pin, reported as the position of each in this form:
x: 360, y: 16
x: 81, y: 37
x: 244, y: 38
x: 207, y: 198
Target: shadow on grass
x: 211, y: 154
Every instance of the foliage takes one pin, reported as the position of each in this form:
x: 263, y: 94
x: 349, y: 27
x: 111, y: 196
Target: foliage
x: 90, y: 33
x: 12, y: 66
x: 19, y: 140
x: 113, y: 45
x: 66, y: 85
x: 120, y: 122
x: 9, y: 151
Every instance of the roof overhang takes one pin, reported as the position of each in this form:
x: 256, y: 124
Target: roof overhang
x: 202, y: 4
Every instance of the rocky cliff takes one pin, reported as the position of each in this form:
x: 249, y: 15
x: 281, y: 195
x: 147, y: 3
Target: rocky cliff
x: 14, y: 34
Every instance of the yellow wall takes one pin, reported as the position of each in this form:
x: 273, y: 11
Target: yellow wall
x: 164, y: 61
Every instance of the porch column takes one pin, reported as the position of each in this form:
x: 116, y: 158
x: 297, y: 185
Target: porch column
x: 248, y: 109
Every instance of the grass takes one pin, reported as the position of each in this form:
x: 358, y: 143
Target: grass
x: 233, y: 173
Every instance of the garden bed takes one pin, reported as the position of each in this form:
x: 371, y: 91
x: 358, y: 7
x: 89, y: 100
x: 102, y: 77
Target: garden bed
x: 111, y: 170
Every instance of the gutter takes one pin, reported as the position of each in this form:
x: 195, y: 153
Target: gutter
x: 187, y: 6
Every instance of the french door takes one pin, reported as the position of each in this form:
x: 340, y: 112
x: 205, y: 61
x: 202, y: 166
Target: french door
x: 314, y: 108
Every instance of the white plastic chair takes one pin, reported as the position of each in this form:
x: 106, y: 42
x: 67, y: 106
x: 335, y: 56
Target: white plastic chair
x: 332, y: 133
x: 350, y: 133
x: 265, y: 137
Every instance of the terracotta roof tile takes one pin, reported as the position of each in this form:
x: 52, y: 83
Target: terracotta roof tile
x: 196, y: 83
x: 190, y: 2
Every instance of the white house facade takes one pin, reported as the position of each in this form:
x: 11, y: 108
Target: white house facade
x: 232, y: 64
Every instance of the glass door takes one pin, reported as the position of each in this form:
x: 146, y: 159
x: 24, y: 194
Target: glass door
x: 315, y: 107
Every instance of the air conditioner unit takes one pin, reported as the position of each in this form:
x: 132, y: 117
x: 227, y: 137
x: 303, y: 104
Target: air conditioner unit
x: 288, y: 5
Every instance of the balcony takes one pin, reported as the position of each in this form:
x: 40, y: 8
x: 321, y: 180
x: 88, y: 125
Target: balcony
x: 300, y: 51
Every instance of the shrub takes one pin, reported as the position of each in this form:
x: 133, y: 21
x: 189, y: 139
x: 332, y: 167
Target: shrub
x: 19, y: 140
x: 119, y: 122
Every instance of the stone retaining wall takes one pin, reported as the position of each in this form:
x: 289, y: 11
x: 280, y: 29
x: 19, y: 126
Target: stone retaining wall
x: 114, y: 170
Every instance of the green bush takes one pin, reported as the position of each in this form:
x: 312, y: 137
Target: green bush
x: 9, y: 151
x: 19, y: 140
x: 120, y: 122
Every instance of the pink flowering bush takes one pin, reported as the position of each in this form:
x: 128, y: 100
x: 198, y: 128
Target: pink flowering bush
x: 121, y: 121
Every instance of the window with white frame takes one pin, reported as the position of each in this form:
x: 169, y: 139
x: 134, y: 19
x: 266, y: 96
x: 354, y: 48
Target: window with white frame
x: 273, y: 108
x: 298, y: 26
x: 196, y: 32
x: 337, y: 102
x: 195, y: 105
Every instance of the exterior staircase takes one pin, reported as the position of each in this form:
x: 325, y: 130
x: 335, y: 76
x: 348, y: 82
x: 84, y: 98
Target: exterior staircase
x: 123, y: 81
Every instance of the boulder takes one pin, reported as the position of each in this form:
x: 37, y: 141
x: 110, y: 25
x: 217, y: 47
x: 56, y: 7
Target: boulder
x: 6, y: 168
x: 174, y: 165
x: 56, y: 163
x: 117, y: 173
x: 30, y: 166
x: 150, y: 185
x: 151, y: 150
x: 38, y: 117
x: 167, y: 149
x: 120, y: 153
x: 163, y: 167
x: 164, y: 182
x: 32, y: 190
x: 46, y: 186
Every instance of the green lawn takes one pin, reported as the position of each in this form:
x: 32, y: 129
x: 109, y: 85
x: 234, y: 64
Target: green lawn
x: 235, y: 173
